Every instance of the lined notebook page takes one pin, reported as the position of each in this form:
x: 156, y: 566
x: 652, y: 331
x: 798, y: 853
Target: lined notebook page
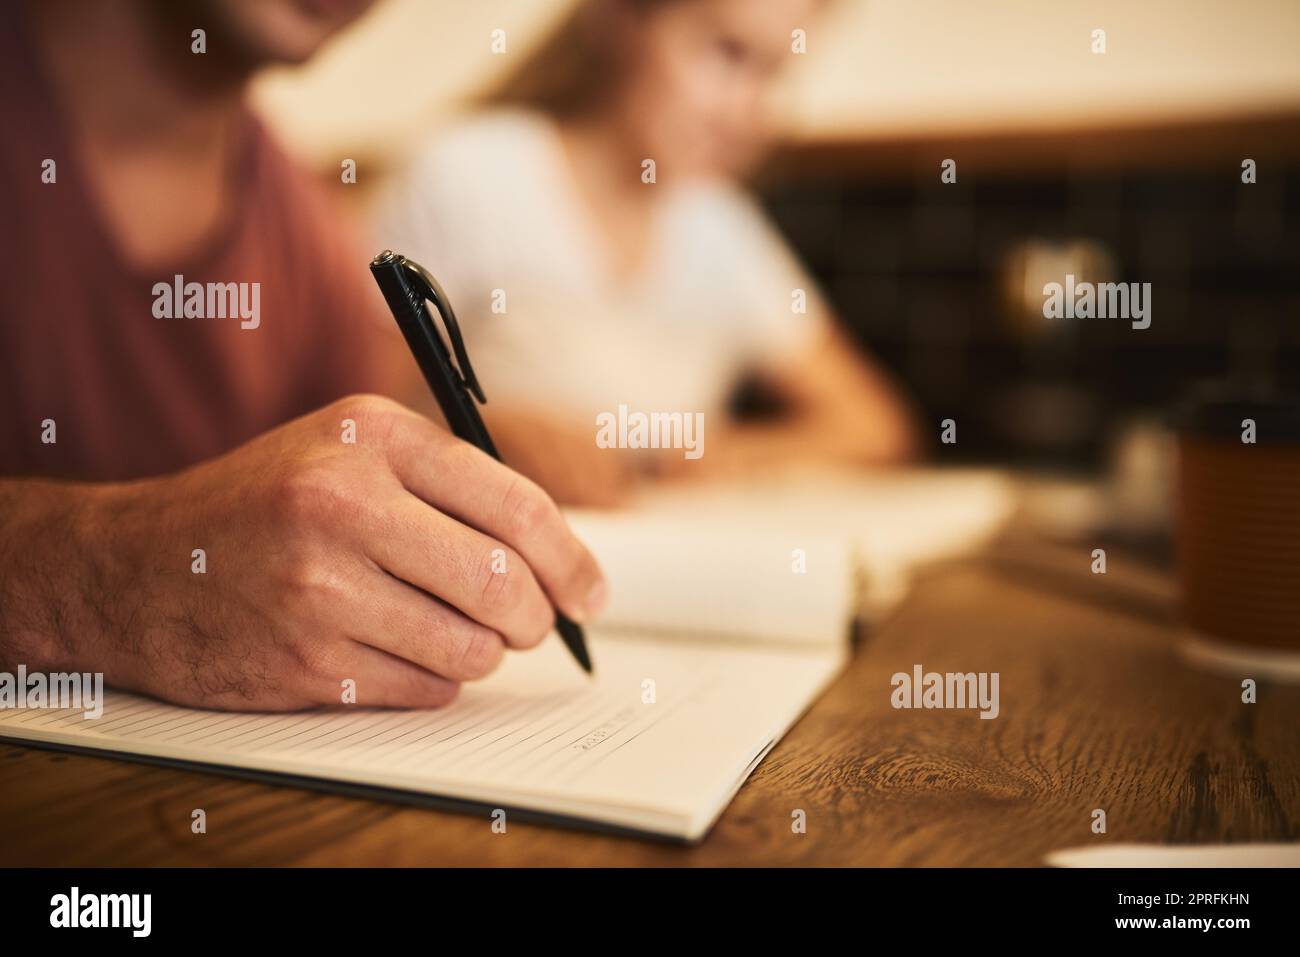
x: 658, y: 741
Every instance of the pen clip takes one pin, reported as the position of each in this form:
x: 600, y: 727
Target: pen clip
x: 428, y: 287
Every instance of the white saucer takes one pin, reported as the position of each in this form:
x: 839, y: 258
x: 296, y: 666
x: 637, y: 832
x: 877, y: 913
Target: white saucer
x: 1244, y: 661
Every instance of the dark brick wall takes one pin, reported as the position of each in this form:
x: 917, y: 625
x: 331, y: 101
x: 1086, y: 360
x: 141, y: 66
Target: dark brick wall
x: 915, y: 270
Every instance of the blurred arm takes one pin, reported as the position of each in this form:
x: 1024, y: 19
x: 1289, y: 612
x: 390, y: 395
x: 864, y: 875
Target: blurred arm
x: 839, y: 407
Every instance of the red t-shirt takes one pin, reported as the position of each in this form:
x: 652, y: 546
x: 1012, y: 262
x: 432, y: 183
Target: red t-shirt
x: 132, y: 394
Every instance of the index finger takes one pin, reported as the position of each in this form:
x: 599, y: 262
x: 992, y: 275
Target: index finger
x: 471, y: 486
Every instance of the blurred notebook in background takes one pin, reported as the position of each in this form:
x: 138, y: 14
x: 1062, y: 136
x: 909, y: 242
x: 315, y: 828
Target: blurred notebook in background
x: 790, y: 556
x: 716, y: 640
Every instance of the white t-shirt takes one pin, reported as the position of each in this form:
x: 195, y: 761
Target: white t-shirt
x: 490, y: 208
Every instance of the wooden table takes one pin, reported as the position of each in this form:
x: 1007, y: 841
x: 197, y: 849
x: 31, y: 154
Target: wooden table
x: 1097, y: 711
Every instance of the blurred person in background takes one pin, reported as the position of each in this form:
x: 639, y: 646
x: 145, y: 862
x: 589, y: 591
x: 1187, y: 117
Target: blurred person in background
x: 581, y: 286
x: 134, y: 446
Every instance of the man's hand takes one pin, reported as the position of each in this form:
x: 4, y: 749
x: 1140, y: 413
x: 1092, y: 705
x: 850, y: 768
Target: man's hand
x: 406, y: 561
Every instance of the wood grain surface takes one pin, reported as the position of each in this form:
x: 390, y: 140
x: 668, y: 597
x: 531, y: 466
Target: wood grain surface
x: 1097, y: 711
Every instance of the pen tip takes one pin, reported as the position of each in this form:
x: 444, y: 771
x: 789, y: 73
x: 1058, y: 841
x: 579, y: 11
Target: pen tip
x: 574, y: 640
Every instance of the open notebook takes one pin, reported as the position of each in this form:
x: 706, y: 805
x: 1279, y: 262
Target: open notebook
x: 715, y: 643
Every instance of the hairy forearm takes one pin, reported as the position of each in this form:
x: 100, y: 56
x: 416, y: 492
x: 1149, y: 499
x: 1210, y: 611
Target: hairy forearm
x: 55, y: 591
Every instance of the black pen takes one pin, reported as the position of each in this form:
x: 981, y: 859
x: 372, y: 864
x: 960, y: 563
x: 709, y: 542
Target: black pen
x: 407, y: 286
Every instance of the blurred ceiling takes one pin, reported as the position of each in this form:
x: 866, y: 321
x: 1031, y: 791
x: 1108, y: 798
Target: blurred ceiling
x: 875, y: 70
